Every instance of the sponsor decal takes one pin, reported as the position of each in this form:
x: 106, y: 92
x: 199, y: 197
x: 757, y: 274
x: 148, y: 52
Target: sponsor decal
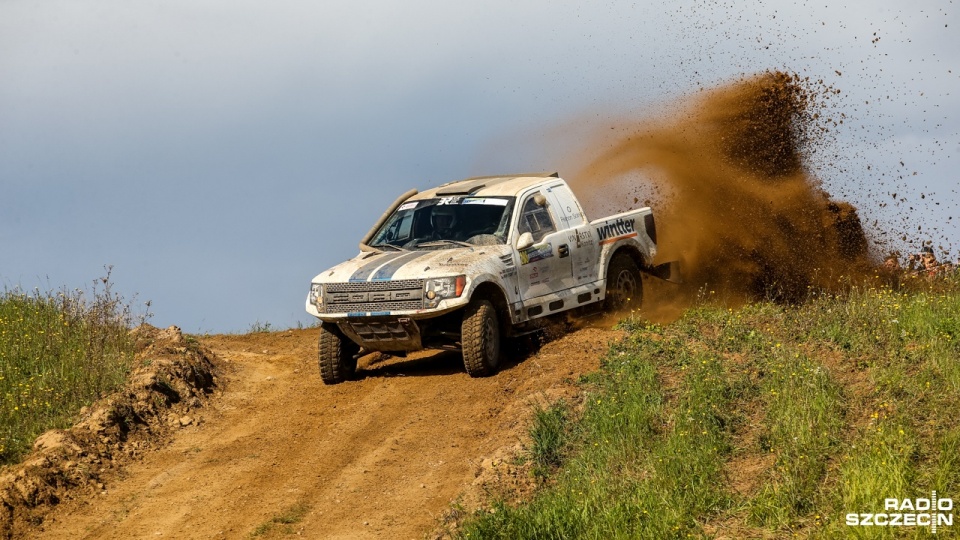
x: 450, y: 200
x: 580, y: 237
x: 407, y: 206
x: 536, y: 253
x: 934, y: 513
x: 617, y: 230
x: 367, y: 313
x: 485, y: 200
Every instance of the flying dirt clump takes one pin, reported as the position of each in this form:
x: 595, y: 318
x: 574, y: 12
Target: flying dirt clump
x: 738, y: 206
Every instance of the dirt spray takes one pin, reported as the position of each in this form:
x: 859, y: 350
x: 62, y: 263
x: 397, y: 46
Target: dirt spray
x: 735, y: 202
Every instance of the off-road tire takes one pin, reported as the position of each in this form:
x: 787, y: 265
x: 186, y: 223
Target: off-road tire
x: 624, y: 285
x: 336, y: 356
x: 480, y: 338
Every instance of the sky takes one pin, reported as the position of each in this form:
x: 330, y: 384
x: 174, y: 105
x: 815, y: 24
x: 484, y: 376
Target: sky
x: 217, y: 155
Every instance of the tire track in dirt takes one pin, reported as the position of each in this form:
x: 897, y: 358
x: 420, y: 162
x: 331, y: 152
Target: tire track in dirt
x: 381, y: 456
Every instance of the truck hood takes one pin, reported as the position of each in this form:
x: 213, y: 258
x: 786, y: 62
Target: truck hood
x: 396, y: 265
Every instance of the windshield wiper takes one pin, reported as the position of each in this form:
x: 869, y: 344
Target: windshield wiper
x: 391, y: 246
x: 436, y: 243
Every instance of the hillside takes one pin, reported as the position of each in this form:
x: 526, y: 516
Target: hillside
x: 768, y: 421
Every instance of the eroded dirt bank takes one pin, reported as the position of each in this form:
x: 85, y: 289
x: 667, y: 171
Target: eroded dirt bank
x: 173, y: 377
x: 383, y: 456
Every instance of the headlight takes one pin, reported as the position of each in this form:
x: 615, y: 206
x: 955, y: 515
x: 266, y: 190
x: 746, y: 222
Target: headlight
x: 316, y: 294
x: 435, y: 290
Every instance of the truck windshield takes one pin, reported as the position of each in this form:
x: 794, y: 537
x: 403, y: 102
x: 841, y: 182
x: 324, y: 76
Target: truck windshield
x: 447, y: 222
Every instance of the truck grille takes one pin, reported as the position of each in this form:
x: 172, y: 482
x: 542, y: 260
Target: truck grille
x: 400, y: 295
x: 367, y: 286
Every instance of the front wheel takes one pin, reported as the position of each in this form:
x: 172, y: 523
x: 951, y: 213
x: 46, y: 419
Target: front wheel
x: 624, y: 288
x: 480, y: 336
x: 337, y: 356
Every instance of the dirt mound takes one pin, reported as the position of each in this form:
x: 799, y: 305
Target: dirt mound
x: 174, y: 376
x: 735, y: 202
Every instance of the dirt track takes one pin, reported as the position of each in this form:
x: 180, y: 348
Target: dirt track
x: 380, y: 457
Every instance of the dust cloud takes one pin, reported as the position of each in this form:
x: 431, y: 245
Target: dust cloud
x: 735, y: 201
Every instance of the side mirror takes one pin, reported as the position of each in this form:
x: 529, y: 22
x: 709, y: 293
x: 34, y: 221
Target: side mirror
x: 525, y: 241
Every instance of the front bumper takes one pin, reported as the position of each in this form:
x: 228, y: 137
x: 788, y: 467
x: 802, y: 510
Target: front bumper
x: 388, y: 316
x: 397, y: 298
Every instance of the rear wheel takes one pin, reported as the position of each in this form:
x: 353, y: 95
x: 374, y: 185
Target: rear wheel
x: 624, y: 288
x: 480, y: 337
x: 337, y: 356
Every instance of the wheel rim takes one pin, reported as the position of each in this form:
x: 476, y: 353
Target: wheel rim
x: 626, y: 287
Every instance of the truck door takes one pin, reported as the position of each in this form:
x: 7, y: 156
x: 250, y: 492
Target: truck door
x: 582, y: 249
x: 545, y: 266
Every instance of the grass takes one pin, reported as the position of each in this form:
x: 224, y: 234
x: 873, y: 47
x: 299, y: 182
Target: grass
x: 260, y: 328
x: 768, y: 421
x: 548, y: 438
x: 59, y: 351
x: 281, y: 522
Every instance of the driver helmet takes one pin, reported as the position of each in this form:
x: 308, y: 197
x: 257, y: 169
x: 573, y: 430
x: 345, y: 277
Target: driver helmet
x: 443, y: 219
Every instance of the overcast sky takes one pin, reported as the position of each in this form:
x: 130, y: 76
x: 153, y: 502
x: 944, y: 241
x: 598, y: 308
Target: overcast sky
x: 220, y: 154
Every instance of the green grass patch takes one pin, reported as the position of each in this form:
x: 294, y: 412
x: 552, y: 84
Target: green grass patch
x: 281, y: 522
x: 642, y: 469
x: 548, y: 438
x: 803, y: 424
x: 260, y: 328
x: 59, y: 351
x: 765, y: 421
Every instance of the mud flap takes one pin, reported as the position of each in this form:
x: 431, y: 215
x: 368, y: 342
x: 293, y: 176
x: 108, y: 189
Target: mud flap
x: 668, y: 271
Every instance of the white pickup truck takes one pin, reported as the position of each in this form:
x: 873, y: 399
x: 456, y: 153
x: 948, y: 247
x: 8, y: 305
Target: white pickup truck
x: 471, y: 262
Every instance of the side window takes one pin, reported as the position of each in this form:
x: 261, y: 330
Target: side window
x: 399, y: 230
x: 535, y: 219
x: 403, y: 229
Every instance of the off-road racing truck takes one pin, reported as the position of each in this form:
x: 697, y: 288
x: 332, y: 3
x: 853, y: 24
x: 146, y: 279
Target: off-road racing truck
x: 470, y: 263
